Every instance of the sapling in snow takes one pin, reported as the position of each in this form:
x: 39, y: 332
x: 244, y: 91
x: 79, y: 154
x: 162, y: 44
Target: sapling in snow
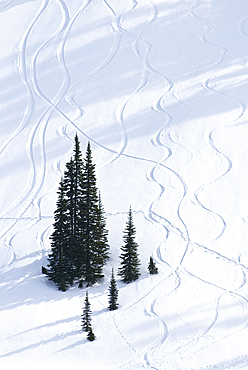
x: 86, y: 316
x: 113, y: 293
x: 152, y: 267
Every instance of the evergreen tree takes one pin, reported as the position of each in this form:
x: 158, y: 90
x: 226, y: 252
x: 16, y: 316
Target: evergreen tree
x: 152, y: 267
x: 59, y: 265
x: 130, y: 263
x: 91, y: 336
x: 113, y: 293
x: 73, y: 188
x: 101, y: 249
x: 94, y: 235
x: 86, y: 316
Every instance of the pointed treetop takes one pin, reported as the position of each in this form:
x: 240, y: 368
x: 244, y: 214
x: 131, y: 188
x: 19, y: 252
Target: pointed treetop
x: 88, y: 150
x: 77, y: 149
x: 76, y: 140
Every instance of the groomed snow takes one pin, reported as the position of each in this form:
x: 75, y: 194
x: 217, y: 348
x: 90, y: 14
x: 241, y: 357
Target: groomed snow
x: 159, y: 87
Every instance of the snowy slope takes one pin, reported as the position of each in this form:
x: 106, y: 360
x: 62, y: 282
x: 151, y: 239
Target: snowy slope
x: 160, y: 89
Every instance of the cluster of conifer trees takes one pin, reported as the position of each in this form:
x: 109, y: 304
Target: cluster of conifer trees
x: 79, y: 243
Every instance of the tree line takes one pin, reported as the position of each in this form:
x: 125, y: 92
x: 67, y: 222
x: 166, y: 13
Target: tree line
x: 79, y: 242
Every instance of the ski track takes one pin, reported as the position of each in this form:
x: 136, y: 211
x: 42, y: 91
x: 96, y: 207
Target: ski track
x: 242, y: 300
x: 212, y: 144
x: 152, y: 216
x: 22, y: 67
x: 146, y: 71
x: 164, y: 333
x: 210, y: 137
x: 150, y: 312
x: 36, y: 179
x: 223, y: 51
x: 21, y: 60
x: 29, y: 195
x: 137, y: 354
x: 241, y: 112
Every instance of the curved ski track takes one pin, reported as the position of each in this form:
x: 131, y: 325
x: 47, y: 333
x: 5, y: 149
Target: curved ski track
x: 210, y: 140
x: 211, y: 143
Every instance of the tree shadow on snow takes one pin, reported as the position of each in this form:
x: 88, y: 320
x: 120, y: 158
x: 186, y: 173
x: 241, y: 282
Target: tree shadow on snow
x: 43, y: 342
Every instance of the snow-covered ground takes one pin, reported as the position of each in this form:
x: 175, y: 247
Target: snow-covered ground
x: 159, y: 87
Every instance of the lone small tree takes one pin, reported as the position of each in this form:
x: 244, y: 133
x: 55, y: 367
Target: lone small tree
x: 152, y: 267
x: 113, y: 293
x: 86, y: 316
x: 129, y: 270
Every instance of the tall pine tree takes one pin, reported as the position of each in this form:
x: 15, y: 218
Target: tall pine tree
x: 130, y: 263
x: 73, y: 188
x: 94, y: 234
x: 101, y: 249
x: 59, y: 263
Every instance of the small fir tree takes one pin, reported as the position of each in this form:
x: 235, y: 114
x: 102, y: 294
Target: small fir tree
x: 91, y: 336
x: 86, y: 316
x: 130, y: 263
x: 152, y: 267
x: 113, y: 293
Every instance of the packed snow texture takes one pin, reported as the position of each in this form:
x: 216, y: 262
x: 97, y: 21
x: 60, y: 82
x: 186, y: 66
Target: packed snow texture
x: 159, y: 88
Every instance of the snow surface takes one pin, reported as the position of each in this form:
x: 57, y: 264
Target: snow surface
x: 159, y: 87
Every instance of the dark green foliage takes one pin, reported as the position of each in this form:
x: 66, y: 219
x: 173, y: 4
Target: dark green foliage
x: 129, y: 270
x: 86, y: 319
x: 100, y: 243
x: 152, y: 267
x: 73, y: 188
x: 113, y: 293
x: 91, y: 336
x: 86, y: 316
x: 94, y: 234
x: 59, y: 259
x: 79, y: 240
